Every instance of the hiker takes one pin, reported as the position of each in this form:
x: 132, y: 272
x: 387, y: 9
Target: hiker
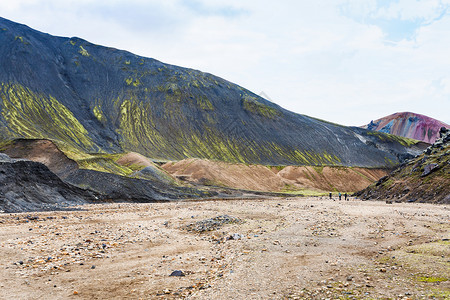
x: 340, y: 196
x: 331, y: 196
x: 345, y: 196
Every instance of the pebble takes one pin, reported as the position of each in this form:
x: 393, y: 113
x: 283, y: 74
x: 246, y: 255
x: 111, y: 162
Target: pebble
x: 177, y: 273
x: 236, y: 236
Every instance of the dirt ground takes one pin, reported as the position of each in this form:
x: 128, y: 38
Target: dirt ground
x: 297, y: 248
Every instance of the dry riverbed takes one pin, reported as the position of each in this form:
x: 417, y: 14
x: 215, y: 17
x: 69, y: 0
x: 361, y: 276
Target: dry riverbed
x: 302, y: 248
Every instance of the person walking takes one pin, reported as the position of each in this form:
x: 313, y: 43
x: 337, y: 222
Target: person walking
x: 340, y: 196
x: 331, y: 196
x: 345, y: 197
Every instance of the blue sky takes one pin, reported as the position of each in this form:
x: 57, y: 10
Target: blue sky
x: 345, y: 61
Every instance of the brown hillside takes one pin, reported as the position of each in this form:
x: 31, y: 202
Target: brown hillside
x: 133, y: 159
x: 262, y: 178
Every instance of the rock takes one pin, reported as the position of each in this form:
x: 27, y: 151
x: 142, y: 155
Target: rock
x: 177, y: 273
x: 429, y: 168
x: 235, y: 236
x: 212, y: 224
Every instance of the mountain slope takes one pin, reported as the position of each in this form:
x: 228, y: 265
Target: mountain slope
x: 102, y: 100
x: 426, y: 178
x: 410, y: 125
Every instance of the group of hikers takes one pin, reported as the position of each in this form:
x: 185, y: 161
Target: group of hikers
x: 340, y: 196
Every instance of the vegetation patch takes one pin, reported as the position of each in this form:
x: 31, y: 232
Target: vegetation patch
x: 83, y: 52
x: 23, y: 109
x: 431, y: 279
x: 99, y: 114
x: 21, y: 39
x: 251, y: 105
x: 133, y: 82
x: 407, y: 142
x: 204, y: 103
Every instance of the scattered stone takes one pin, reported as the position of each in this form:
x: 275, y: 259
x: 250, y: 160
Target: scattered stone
x: 177, y: 273
x: 212, y: 224
x: 428, y: 169
x: 235, y: 236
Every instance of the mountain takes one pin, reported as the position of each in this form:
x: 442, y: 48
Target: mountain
x: 94, y: 101
x: 410, y: 125
x: 426, y: 178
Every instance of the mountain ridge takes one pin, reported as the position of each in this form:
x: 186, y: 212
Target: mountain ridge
x: 98, y: 99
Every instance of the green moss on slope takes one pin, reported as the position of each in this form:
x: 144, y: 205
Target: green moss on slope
x: 390, y: 137
x: 31, y: 115
x: 83, y: 52
x: 101, y: 162
x: 251, y: 105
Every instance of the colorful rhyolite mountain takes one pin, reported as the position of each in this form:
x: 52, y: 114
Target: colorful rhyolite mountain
x: 410, y: 125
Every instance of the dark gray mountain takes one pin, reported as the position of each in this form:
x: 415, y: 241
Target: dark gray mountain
x: 96, y: 99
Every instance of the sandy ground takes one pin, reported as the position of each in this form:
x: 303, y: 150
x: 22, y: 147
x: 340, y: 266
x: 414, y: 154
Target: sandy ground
x: 302, y: 248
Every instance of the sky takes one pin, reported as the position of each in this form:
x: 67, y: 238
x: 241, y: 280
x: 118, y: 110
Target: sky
x: 344, y: 61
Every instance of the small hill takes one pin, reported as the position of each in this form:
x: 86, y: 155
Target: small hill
x: 43, y: 151
x: 426, y: 178
x: 409, y: 125
x: 31, y: 186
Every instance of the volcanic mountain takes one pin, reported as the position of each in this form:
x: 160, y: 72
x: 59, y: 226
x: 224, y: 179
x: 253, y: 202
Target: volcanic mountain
x: 93, y: 101
x: 410, y: 125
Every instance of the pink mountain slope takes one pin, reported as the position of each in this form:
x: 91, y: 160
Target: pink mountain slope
x: 410, y: 125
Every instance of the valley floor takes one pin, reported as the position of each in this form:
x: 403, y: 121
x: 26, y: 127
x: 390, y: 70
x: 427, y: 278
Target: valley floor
x: 297, y: 248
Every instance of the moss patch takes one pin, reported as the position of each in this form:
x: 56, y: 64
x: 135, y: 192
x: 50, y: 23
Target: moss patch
x: 83, y: 52
x: 431, y: 279
x: 23, y: 110
x: 251, y: 105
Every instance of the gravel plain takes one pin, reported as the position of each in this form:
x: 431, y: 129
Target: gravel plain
x: 293, y: 248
